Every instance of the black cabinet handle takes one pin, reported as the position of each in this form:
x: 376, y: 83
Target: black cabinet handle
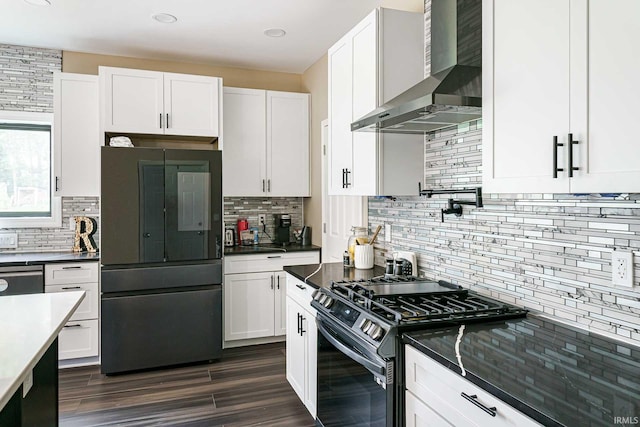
x: 160, y: 120
x: 271, y: 282
x: 66, y: 288
x: 167, y: 120
x: 75, y: 267
x: 263, y: 185
x: 268, y: 186
x: 57, y: 182
x: 571, y: 143
x: 73, y: 326
x: 474, y: 399
x: 278, y: 280
x: 274, y: 256
x: 343, y: 174
x: 556, y: 144
x: 299, y: 286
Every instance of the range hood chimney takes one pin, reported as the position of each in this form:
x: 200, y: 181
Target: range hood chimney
x: 452, y: 94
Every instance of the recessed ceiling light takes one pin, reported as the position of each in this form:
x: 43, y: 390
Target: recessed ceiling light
x: 165, y: 18
x: 38, y: 2
x: 275, y: 32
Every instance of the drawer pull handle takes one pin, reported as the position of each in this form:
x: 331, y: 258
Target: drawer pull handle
x: 274, y: 256
x: 73, y: 326
x: 299, y: 286
x: 76, y: 267
x: 66, y: 288
x: 474, y: 399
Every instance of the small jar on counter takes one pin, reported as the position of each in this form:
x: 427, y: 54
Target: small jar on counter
x: 359, y: 237
x: 345, y: 259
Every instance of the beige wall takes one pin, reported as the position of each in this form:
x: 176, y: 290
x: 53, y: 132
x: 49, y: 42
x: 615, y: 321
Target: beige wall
x: 87, y: 63
x: 408, y: 5
x: 315, y: 81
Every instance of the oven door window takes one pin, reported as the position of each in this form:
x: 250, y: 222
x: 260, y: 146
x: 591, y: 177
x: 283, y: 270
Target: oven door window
x: 348, y: 393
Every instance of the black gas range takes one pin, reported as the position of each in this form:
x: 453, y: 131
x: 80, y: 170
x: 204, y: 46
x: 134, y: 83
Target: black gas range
x: 360, y: 369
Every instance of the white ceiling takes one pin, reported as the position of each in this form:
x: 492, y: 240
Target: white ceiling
x: 218, y: 32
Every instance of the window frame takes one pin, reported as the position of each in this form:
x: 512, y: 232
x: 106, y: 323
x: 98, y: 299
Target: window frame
x: 55, y: 219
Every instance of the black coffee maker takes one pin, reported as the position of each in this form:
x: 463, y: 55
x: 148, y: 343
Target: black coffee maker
x: 283, y: 224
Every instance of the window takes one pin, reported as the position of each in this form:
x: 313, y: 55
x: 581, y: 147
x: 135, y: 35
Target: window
x: 26, y: 153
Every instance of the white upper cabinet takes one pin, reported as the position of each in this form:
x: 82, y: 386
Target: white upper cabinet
x: 76, y: 135
x: 571, y: 78
x: 151, y: 102
x: 244, y: 153
x: 287, y: 144
x: 266, y: 150
x: 191, y: 104
x: 608, y: 150
x: 378, y: 59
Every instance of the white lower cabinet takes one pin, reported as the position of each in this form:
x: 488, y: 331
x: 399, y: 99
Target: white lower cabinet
x: 302, y: 338
x: 421, y: 415
x: 79, y: 339
x: 436, y: 396
x: 253, y: 305
x: 255, y: 294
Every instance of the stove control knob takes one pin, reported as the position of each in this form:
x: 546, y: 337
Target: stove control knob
x: 316, y: 294
x: 365, y: 325
x: 377, y: 333
x: 322, y: 298
x: 327, y: 302
x: 370, y: 328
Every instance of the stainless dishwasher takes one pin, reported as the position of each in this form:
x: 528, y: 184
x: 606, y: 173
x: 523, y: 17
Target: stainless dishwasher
x: 28, y: 279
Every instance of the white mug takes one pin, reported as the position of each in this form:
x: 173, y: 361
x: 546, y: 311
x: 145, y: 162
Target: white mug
x: 363, y: 258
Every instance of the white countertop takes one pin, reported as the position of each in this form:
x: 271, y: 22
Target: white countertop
x: 28, y: 326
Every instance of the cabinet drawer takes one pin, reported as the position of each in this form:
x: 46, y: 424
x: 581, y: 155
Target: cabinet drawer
x: 78, y: 339
x: 88, y: 308
x: 418, y: 414
x: 300, y: 292
x: 268, y: 261
x: 77, y: 272
x: 442, y: 389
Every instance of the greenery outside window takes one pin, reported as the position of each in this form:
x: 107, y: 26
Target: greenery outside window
x: 26, y: 171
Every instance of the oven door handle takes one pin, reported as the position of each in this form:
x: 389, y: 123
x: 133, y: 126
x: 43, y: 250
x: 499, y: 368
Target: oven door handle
x: 372, y: 367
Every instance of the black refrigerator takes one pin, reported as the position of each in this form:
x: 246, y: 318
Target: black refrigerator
x: 161, y: 255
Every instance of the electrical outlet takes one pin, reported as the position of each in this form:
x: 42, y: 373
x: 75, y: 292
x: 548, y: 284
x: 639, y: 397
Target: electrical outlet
x: 262, y: 219
x: 387, y: 232
x: 8, y: 240
x: 622, y: 268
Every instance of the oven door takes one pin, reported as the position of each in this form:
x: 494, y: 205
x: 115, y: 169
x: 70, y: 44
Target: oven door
x: 352, y: 381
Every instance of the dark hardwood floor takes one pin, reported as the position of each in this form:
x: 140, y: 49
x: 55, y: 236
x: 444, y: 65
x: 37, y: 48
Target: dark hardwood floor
x: 247, y: 387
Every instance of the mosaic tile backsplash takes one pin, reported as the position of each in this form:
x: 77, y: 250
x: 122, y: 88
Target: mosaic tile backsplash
x: 547, y: 252
x: 250, y: 207
x: 26, y: 84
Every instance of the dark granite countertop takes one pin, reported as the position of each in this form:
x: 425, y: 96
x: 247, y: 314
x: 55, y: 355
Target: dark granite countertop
x: 30, y: 258
x: 331, y: 271
x: 557, y: 375
x: 268, y: 248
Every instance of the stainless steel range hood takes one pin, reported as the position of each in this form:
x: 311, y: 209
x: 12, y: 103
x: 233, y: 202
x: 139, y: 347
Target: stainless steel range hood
x: 452, y: 94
